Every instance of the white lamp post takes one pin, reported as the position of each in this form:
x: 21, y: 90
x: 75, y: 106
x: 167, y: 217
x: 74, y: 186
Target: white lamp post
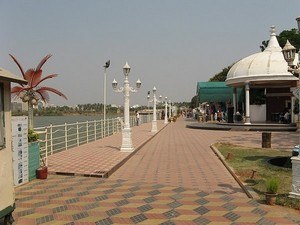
x: 126, y: 89
x: 154, y: 121
x: 170, y: 108
x: 166, y: 110
x: 104, y: 96
x: 289, y: 52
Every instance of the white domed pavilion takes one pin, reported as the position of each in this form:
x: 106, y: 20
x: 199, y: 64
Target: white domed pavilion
x: 267, y: 70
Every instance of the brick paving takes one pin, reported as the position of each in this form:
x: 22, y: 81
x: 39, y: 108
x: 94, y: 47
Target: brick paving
x: 99, y: 156
x: 172, y: 179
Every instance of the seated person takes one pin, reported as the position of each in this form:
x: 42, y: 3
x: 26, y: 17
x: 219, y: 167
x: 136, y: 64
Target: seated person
x: 287, y: 117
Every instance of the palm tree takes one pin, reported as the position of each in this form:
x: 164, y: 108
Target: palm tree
x: 32, y: 92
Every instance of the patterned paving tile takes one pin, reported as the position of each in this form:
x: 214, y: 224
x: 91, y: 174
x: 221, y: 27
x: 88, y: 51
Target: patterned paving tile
x: 163, y: 198
x: 145, y: 208
x: 201, y: 221
x: 171, y: 214
x: 106, y: 221
x: 138, y: 218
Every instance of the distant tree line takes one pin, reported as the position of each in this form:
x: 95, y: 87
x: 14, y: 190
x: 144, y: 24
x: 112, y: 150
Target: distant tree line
x: 89, y: 108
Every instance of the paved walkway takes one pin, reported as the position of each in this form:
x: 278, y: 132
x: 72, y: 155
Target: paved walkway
x: 101, y: 157
x: 173, y: 179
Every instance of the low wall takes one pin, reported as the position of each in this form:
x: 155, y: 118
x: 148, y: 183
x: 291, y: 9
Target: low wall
x: 258, y: 113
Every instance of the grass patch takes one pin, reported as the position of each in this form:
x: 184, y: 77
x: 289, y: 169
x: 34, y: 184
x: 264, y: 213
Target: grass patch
x: 244, y: 160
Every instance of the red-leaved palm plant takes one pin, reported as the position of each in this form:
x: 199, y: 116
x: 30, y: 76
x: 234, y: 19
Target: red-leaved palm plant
x: 32, y: 92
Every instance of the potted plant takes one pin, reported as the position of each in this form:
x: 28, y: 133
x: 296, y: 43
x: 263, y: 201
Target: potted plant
x: 42, y: 171
x: 272, y: 185
x: 37, y: 169
x: 32, y: 136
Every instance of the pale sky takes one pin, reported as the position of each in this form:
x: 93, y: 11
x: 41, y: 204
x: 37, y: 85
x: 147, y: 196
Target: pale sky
x: 170, y: 44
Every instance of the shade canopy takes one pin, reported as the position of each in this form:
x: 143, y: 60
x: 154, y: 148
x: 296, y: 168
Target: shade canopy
x: 215, y: 92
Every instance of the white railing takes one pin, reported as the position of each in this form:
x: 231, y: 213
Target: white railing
x: 57, y: 138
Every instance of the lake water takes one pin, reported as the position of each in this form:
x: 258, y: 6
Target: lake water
x: 42, y: 121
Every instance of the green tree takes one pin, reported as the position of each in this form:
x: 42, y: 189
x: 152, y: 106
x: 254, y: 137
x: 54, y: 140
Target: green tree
x: 221, y: 76
x: 194, y: 102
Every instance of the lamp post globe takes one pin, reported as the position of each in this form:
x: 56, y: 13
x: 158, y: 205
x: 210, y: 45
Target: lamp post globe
x: 289, y: 52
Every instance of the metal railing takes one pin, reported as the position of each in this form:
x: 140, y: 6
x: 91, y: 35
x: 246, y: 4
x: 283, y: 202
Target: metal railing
x: 57, y: 138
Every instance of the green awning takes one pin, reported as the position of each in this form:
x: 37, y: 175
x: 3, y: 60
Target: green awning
x: 215, y: 92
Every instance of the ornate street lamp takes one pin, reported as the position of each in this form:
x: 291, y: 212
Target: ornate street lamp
x: 289, y: 52
x: 126, y: 89
x: 170, y: 109
x: 154, y: 121
x: 166, y: 110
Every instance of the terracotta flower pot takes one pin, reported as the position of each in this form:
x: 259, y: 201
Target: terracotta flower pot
x: 42, y: 172
x: 270, y: 198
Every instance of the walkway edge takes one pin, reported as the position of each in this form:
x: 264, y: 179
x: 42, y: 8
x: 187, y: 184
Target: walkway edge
x: 221, y: 158
x: 123, y: 161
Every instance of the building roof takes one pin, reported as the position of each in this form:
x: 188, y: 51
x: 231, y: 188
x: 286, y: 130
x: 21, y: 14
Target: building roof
x: 263, y: 67
x: 214, y: 92
x: 8, y: 76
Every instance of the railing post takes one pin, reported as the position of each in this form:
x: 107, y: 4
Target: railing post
x: 87, y: 132
x: 46, y: 146
x: 77, y: 134
x: 109, y: 127
x: 95, y: 132
x: 102, y: 126
x: 66, y: 136
x: 51, y: 139
x: 114, y: 124
x: 101, y: 123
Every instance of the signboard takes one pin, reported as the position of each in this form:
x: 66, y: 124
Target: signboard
x: 20, y: 149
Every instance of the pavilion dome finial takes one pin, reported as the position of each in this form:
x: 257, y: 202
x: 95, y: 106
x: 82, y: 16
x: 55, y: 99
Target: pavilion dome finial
x: 273, y: 30
x: 273, y: 44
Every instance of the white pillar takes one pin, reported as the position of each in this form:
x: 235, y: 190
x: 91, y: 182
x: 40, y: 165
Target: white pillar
x: 154, y: 121
x: 166, y: 111
x: 247, y: 90
x: 292, y: 109
x: 234, y: 99
x: 170, y: 108
x: 295, y: 193
x: 126, y: 132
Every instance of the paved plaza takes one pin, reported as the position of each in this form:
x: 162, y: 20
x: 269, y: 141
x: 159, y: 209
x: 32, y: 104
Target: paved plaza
x: 173, y: 178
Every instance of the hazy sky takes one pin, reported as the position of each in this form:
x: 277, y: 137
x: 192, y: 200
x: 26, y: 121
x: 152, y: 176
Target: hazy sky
x: 170, y: 44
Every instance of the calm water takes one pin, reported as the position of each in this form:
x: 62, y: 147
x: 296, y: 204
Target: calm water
x: 42, y: 121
